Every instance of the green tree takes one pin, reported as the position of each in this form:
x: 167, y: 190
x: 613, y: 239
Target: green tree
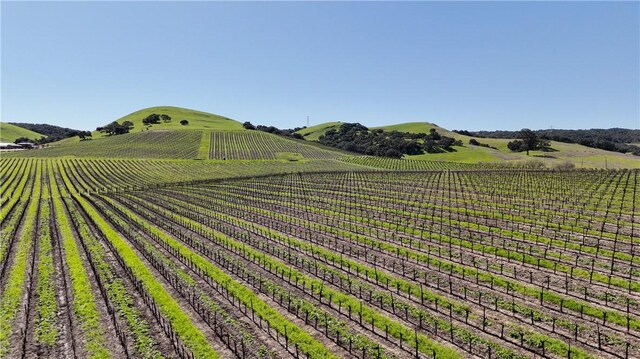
x: 528, y: 141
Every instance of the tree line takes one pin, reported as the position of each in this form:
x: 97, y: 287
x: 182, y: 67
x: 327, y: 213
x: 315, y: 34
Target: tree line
x: 115, y: 128
x: 53, y: 133
x: 355, y: 137
x: 289, y: 132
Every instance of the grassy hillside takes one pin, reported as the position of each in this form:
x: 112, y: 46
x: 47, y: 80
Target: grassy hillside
x: 418, y: 127
x: 9, y: 133
x: 198, y: 120
x: 581, y: 156
x: 313, y: 133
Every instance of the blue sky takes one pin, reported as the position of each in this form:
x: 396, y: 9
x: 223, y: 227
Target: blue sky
x: 462, y: 65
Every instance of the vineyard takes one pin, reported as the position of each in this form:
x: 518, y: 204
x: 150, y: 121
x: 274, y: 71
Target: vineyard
x: 256, y: 145
x: 187, y: 144
x: 150, y: 144
x: 408, y: 165
x: 164, y: 258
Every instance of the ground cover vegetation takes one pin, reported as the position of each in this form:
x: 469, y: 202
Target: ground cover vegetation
x: 355, y: 137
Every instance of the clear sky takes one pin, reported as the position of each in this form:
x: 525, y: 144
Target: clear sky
x: 462, y: 65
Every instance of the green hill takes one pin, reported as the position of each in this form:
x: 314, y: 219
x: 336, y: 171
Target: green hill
x: 314, y: 132
x: 417, y: 127
x: 213, y: 137
x: 188, y: 144
x: 207, y: 136
x: 580, y: 156
x: 198, y: 120
x: 10, y: 133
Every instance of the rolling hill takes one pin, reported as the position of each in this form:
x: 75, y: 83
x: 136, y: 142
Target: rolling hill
x: 213, y: 137
x: 10, y: 133
x: 207, y: 136
x: 312, y: 133
x: 198, y: 120
x: 580, y: 156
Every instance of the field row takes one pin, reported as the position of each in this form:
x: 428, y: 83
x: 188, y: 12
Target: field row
x: 256, y: 145
x: 103, y: 175
x: 407, y: 165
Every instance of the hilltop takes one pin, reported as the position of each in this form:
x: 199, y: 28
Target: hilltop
x: 198, y: 120
x: 10, y: 133
x: 312, y: 133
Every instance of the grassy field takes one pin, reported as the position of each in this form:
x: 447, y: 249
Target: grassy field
x: 198, y: 120
x: 9, y: 133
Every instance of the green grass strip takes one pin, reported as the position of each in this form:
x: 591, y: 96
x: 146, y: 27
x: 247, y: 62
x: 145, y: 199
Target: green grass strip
x: 145, y: 345
x: 15, y: 286
x: 46, y: 322
x: 84, y: 303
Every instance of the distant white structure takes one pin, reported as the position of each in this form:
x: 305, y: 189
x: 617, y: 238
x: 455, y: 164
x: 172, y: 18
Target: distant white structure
x: 17, y: 146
